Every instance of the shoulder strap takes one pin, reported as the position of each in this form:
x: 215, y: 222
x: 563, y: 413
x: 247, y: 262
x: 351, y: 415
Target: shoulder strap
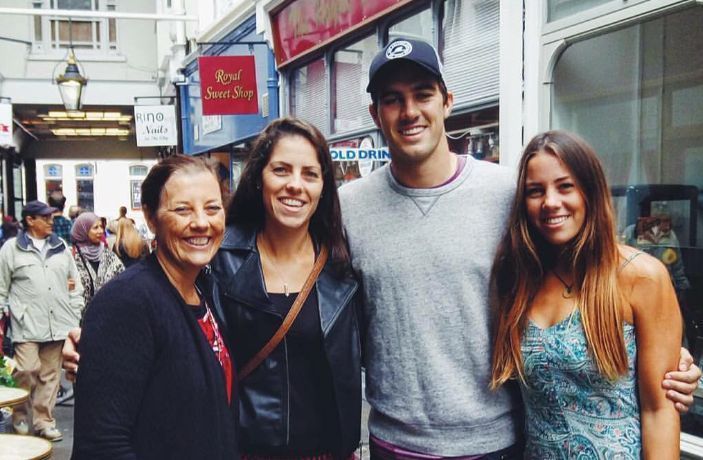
x: 273, y: 342
x: 628, y: 260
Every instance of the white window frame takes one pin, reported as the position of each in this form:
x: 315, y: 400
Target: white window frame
x: 136, y: 178
x: 557, y: 36
x: 587, y: 14
x: 100, y: 44
x: 89, y: 177
x: 53, y: 165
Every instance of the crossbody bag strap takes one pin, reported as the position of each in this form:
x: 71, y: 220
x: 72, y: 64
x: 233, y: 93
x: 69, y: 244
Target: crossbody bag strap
x: 273, y: 342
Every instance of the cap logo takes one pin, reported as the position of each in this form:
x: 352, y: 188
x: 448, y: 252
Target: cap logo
x: 399, y: 49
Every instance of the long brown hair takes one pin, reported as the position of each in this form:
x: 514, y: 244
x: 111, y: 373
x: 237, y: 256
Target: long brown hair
x: 247, y: 206
x: 524, y: 257
x: 128, y: 239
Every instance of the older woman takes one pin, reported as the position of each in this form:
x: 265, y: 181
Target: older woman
x: 96, y: 265
x: 156, y: 376
x: 303, y: 400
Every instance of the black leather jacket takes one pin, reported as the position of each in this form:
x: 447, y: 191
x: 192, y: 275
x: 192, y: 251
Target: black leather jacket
x: 252, y: 321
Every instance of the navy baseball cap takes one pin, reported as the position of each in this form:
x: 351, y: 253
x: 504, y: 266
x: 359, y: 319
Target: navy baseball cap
x: 405, y: 49
x: 37, y: 208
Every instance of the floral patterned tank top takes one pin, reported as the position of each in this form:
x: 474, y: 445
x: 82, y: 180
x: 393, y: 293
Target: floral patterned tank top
x: 572, y: 411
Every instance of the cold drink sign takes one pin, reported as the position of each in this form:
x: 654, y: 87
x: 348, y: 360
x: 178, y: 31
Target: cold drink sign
x: 228, y: 85
x: 360, y: 154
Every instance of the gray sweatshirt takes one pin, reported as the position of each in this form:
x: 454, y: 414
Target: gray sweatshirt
x: 424, y: 258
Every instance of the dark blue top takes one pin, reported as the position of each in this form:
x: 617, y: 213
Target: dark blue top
x: 149, y: 385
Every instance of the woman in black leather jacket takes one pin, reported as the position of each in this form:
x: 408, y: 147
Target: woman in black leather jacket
x: 304, y: 399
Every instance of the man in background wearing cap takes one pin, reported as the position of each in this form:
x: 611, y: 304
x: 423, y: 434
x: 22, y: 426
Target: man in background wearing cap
x: 35, y: 269
x: 422, y: 233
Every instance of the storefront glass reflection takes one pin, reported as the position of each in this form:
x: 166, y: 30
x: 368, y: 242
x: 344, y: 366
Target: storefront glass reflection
x: 641, y: 106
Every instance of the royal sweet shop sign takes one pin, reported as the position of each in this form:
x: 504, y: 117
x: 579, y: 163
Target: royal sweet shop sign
x: 228, y: 85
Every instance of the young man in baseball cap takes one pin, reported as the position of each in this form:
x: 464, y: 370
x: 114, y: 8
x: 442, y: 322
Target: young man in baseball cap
x: 425, y: 288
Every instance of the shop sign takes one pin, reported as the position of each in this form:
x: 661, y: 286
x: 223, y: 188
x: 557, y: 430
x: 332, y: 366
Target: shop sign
x: 228, y: 85
x: 360, y: 154
x: 155, y: 125
x: 211, y: 123
x: 5, y: 124
x: 304, y: 25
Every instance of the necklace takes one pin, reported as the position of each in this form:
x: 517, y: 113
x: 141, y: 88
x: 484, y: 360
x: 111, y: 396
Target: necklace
x: 269, y: 260
x: 568, y: 288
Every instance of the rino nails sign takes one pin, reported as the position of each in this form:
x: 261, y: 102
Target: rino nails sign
x: 228, y: 85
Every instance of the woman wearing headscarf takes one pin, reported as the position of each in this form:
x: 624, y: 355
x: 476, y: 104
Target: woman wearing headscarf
x: 96, y: 265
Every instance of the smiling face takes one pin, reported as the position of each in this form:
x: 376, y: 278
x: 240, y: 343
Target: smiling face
x: 95, y: 232
x: 189, y: 223
x: 410, y: 110
x: 554, y: 201
x: 291, y: 183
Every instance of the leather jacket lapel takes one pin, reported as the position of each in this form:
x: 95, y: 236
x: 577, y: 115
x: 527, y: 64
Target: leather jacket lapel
x: 333, y: 295
x: 247, y: 285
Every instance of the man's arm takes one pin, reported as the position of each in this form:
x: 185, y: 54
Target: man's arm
x: 5, y: 273
x: 75, y: 295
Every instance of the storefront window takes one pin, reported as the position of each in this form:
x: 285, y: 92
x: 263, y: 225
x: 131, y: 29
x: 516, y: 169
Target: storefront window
x: 349, y: 170
x: 641, y: 106
x: 18, y: 189
x: 309, y: 98
x: 471, y: 30
x: 559, y: 9
x: 475, y: 133
x: 53, y: 179
x: 351, y: 69
x: 84, y: 186
x: 418, y: 26
x: 137, y: 174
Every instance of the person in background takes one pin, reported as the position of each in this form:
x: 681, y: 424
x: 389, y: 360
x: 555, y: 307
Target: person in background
x: 129, y: 245
x: 96, y: 264
x: 304, y: 399
x: 103, y: 238
x: 10, y: 228
x: 587, y: 326
x: 156, y: 376
x: 122, y: 213
x: 62, y: 226
x: 35, y: 269
x: 111, y: 234
x: 73, y: 212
